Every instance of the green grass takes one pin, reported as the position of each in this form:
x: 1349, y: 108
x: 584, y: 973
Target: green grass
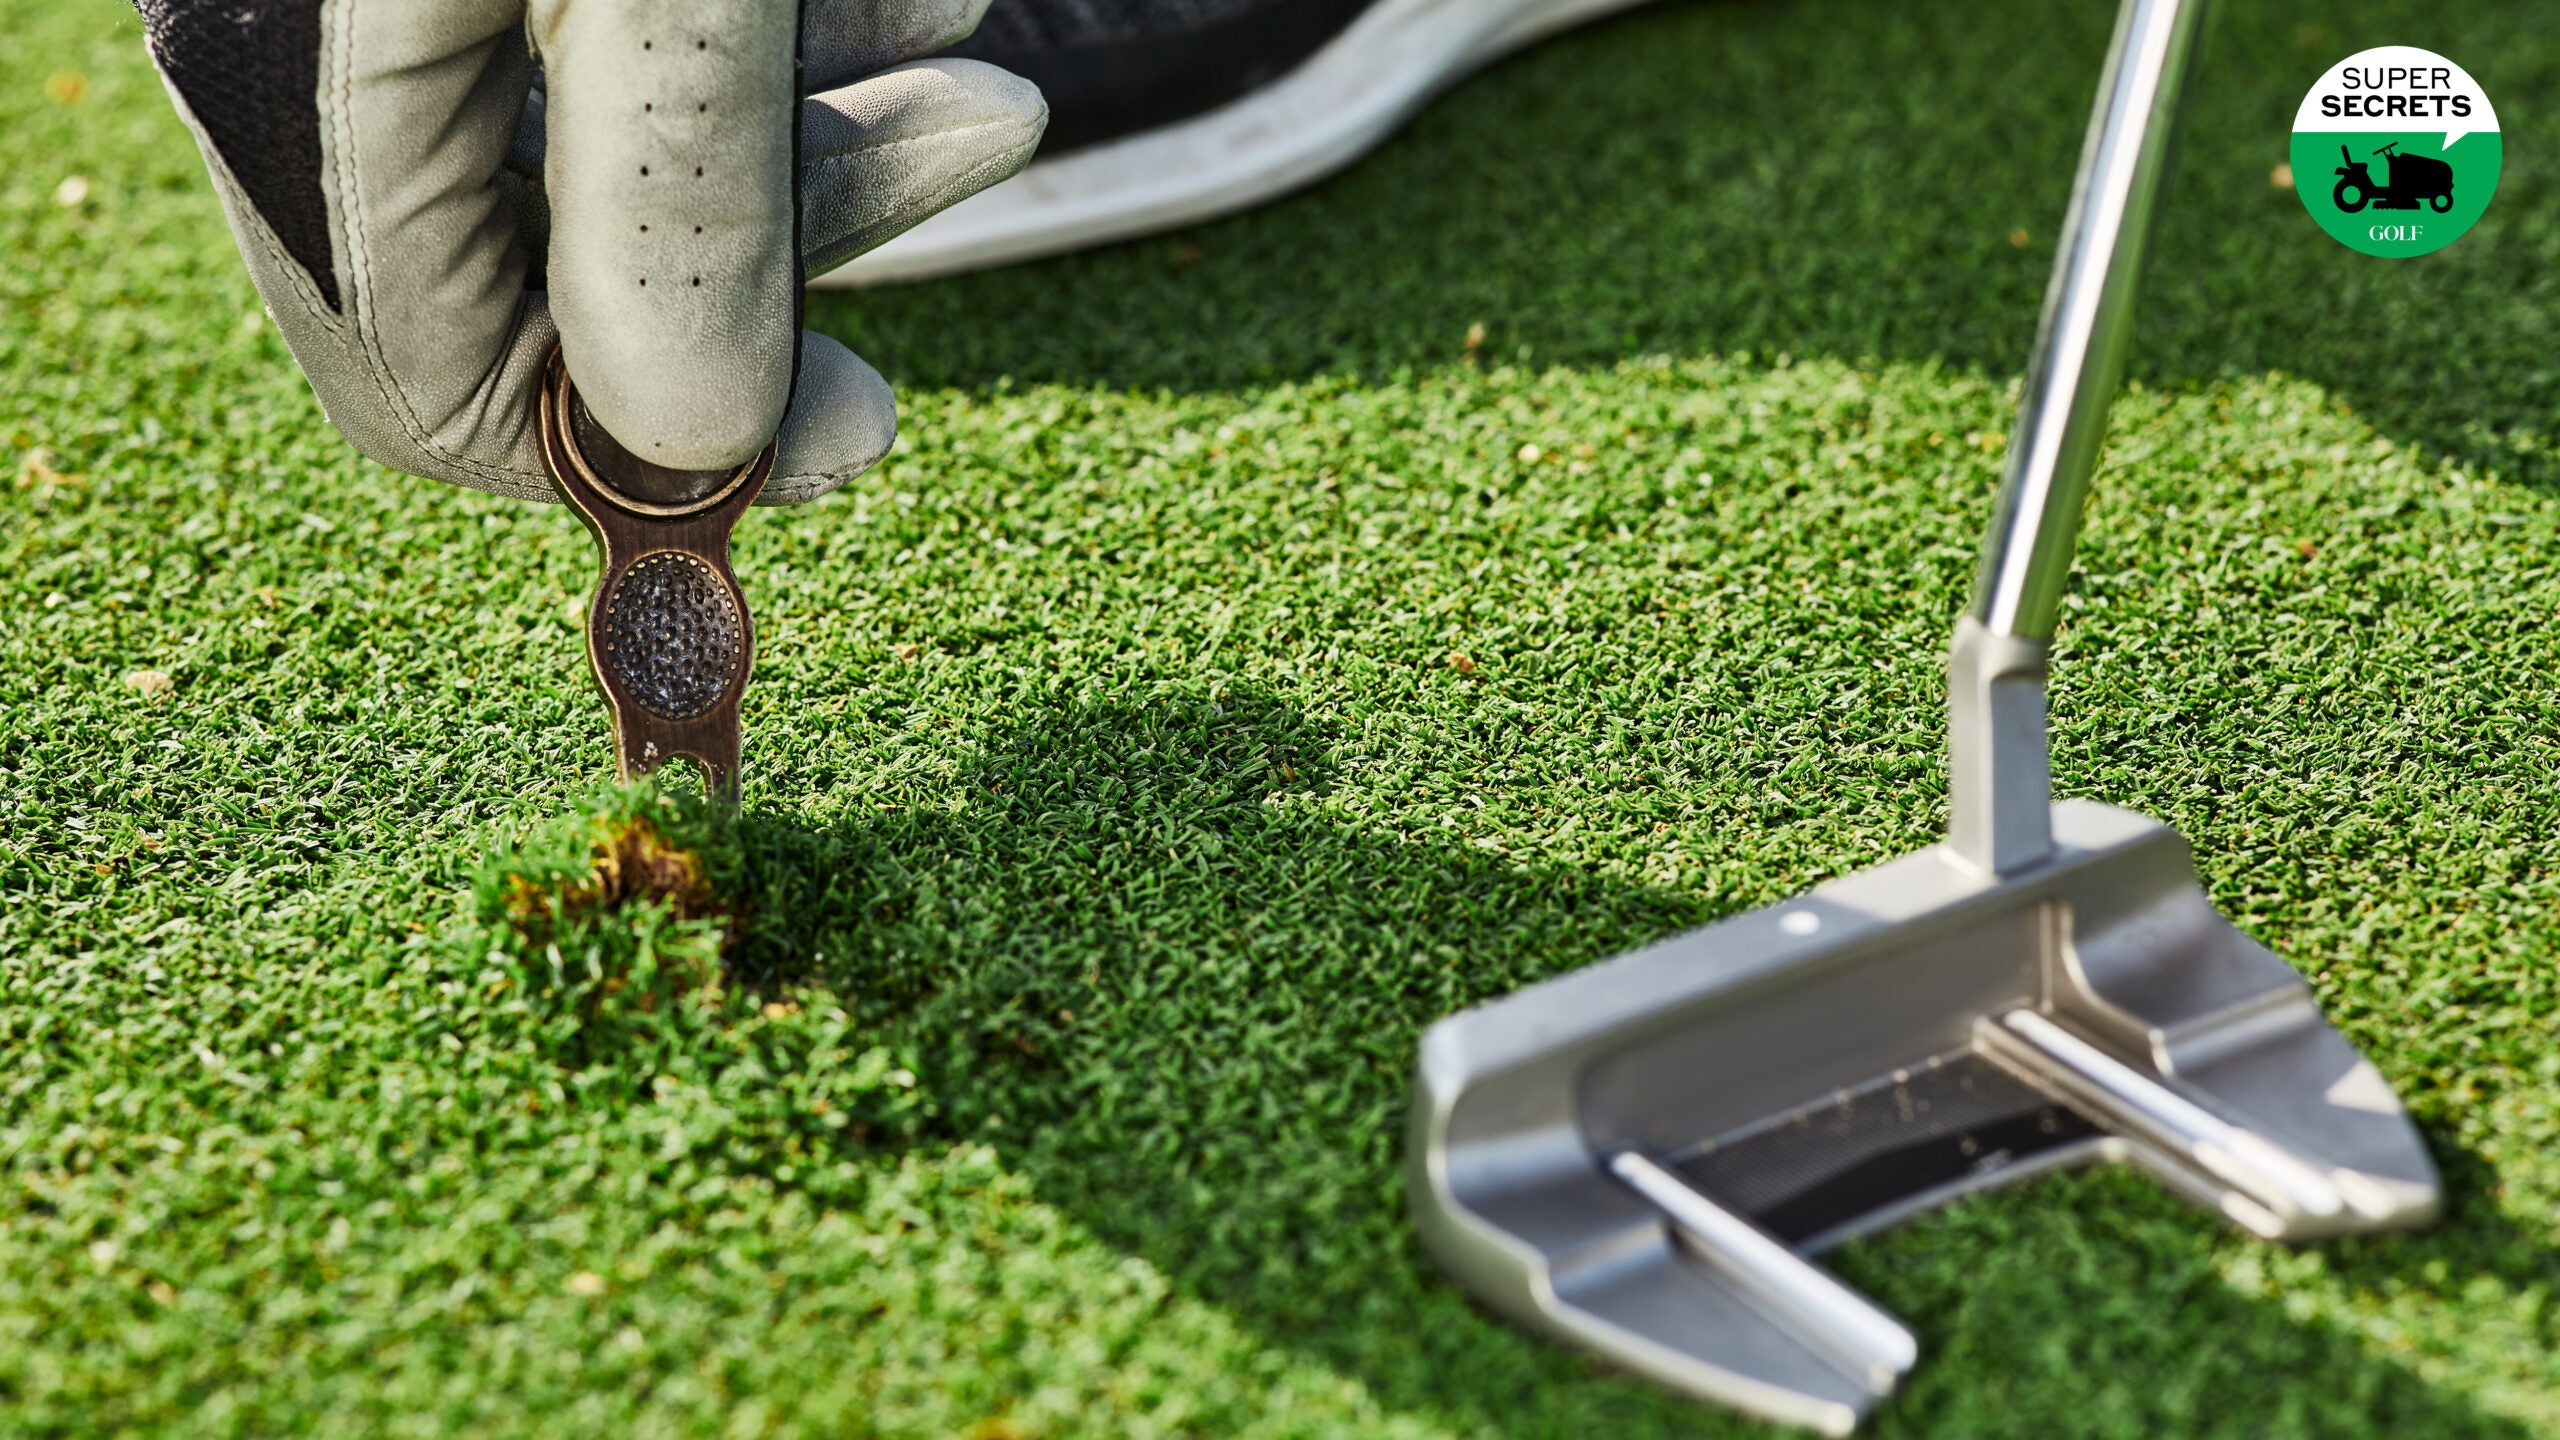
x: 1118, y: 818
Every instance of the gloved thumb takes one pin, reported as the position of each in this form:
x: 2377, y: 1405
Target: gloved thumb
x: 674, y: 272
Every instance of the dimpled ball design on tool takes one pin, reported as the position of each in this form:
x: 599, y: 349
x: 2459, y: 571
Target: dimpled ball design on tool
x: 672, y: 635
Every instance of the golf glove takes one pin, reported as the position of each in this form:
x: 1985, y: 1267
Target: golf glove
x: 429, y: 194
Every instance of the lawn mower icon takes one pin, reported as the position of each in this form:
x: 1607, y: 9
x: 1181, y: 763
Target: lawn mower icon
x: 2413, y: 178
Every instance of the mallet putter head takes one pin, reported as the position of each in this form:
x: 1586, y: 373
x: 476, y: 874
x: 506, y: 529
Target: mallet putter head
x: 1639, y: 1156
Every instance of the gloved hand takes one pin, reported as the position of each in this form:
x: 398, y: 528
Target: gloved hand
x: 428, y: 193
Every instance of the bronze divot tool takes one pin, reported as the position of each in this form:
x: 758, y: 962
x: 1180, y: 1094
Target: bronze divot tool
x: 668, y: 634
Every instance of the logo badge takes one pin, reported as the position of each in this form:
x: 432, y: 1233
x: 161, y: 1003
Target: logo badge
x: 2396, y: 151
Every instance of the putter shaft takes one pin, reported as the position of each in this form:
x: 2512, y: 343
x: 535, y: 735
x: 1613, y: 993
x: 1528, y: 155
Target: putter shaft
x: 2001, y: 791
x: 2088, y: 319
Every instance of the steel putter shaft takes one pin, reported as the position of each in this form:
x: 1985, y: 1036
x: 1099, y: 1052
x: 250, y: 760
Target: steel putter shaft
x: 1640, y: 1156
x: 668, y: 635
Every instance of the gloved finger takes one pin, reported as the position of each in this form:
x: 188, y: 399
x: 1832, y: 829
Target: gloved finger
x: 880, y: 155
x: 877, y: 157
x: 842, y: 419
x: 672, y: 271
x: 844, y: 40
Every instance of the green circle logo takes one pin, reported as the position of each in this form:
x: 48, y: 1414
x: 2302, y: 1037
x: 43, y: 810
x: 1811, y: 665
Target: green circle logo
x: 2396, y: 151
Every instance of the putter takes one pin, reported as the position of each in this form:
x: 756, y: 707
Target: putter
x: 1639, y: 1157
x: 668, y: 634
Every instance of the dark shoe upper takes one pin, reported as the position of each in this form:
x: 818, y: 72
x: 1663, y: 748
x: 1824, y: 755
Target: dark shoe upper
x: 1111, y: 68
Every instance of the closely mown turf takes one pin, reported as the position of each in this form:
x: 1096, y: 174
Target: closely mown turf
x: 1234, y: 669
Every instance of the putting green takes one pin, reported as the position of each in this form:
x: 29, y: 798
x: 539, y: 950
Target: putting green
x: 1264, y: 640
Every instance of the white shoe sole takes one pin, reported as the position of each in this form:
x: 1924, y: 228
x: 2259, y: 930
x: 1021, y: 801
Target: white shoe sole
x: 1298, y: 129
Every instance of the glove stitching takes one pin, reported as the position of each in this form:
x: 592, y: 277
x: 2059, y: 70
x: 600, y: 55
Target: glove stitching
x: 297, y: 278
x: 360, y: 263
x: 301, y: 289
x: 801, y: 489
x: 359, y: 253
x: 305, y: 293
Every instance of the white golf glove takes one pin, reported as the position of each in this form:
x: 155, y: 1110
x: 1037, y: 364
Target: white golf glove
x: 429, y: 193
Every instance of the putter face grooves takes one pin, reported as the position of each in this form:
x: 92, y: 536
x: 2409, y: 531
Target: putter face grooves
x: 1957, y: 1122
x: 1639, y: 1156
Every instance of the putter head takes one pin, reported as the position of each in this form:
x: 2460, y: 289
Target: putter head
x: 1638, y: 1156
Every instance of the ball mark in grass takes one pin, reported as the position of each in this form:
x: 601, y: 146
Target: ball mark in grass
x: 618, y: 917
x: 632, y: 861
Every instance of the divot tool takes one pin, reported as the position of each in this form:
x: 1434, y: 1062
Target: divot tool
x: 668, y: 634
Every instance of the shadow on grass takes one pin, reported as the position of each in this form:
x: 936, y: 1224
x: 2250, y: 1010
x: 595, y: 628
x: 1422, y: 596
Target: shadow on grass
x: 1181, y: 994
x: 1829, y: 177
